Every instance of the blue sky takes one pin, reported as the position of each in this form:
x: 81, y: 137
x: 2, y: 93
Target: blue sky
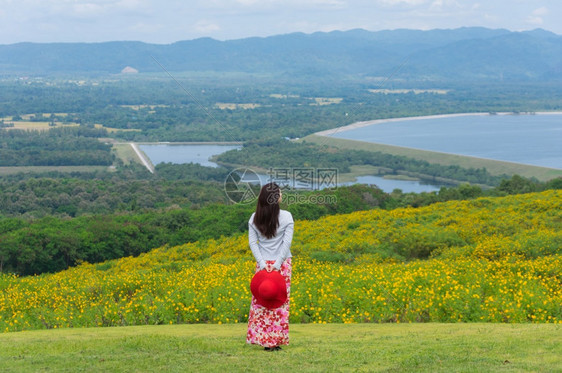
x: 165, y: 22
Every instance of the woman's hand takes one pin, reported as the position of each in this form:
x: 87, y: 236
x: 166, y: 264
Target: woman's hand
x: 269, y: 267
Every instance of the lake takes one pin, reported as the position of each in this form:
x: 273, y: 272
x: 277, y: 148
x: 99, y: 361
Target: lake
x: 523, y: 138
x: 200, y: 153
x: 407, y: 186
x: 185, y: 153
x: 527, y: 139
x: 386, y: 185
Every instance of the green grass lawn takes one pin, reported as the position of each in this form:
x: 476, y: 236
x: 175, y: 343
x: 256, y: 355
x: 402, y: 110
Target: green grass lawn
x: 318, y: 348
x: 125, y: 152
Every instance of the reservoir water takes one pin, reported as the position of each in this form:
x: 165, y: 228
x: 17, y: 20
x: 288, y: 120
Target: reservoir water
x: 407, y: 186
x: 386, y: 185
x: 185, y: 153
x: 200, y: 153
x: 527, y: 139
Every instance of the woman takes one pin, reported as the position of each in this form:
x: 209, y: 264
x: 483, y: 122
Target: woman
x: 270, y: 235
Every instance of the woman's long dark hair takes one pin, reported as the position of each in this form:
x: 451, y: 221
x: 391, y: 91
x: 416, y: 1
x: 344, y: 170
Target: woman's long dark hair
x: 266, y: 218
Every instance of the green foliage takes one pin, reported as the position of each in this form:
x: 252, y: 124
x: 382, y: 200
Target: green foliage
x: 55, y: 147
x: 518, y: 184
x: 165, y: 113
x: 331, y: 256
x: 129, y: 190
x: 424, y: 244
x: 280, y: 153
x: 486, y: 264
x: 52, y: 244
x: 315, y: 204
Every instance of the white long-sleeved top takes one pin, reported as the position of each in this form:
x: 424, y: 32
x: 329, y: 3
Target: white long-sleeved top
x: 276, y: 248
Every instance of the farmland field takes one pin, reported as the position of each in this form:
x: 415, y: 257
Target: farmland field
x: 38, y: 126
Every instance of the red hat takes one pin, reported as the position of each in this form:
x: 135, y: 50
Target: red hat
x: 269, y: 288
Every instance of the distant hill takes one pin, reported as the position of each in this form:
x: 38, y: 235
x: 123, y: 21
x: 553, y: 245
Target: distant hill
x: 459, y: 54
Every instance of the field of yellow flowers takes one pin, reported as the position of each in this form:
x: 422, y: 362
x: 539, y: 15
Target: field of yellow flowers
x: 485, y: 260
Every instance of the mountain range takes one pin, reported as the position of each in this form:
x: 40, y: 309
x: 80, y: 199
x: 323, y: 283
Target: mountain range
x: 462, y: 54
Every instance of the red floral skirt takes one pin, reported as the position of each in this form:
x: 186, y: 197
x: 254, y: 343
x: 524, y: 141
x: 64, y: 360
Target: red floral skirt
x: 270, y: 327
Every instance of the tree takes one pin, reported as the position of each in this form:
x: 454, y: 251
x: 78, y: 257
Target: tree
x: 518, y: 185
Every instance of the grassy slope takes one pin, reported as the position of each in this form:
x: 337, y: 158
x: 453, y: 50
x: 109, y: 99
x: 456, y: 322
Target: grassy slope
x: 494, y: 167
x: 125, y: 152
x: 362, y: 347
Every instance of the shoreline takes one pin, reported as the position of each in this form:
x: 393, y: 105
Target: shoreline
x: 146, y: 162
x: 179, y: 142
x: 436, y: 116
x: 192, y: 143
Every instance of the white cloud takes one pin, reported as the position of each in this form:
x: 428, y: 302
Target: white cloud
x: 91, y: 8
x: 129, y: 4
x: 206, y: 27
x: 171, y: 20
x: 291, y: 3
x: 534, y: 20
x: 446, y: 4
x: 437, y: 4
x: 146, y: 28
x: 542, y: 11
x: 247, y: 2
x: 536, y: 17
x: 404, y: 2
x: 333, y: 3
x: 87, y: 9
x: 490, y: 18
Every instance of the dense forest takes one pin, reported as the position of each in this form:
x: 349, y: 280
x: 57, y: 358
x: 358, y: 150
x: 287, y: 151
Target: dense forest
x: 51, y: 244
x: 129, y: 189
x: 76, y: 146
x: 283, y: 153
x: 55, y: 242
x: 158, y: 109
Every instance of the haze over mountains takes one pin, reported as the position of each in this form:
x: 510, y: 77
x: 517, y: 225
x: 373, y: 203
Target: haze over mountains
x: 451, y: 55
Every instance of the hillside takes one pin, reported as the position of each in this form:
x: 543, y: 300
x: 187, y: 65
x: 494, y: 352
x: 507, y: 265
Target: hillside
x: 453, y: 55
x: 485, y: 260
